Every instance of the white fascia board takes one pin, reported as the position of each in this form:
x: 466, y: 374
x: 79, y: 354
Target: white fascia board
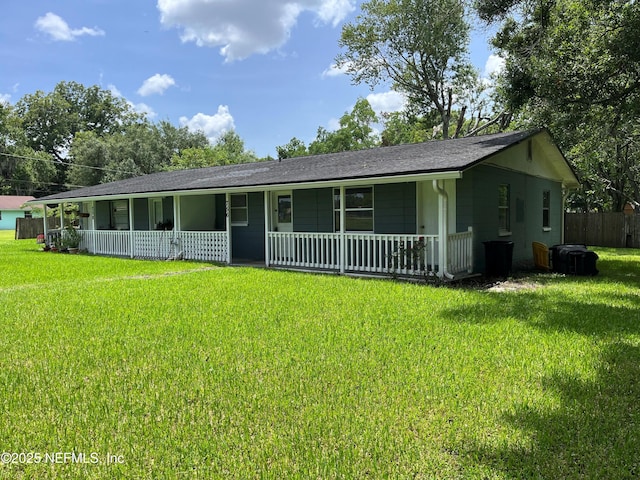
x: 271, y: 187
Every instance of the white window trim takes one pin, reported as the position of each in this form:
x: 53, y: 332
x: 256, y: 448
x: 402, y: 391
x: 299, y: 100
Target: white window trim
x: 242, y: 223
x: 502, y: 232
x: 372, y: 209
x: 546, y: 228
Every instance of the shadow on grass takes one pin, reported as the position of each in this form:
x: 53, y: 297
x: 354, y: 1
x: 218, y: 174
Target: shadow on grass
x: 594, y: 433
x: 594, y: 429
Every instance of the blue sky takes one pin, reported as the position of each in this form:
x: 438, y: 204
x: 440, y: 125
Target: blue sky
x: 260, y: 67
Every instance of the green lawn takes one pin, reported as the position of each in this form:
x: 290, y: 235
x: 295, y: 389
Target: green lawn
x: 186, y: 370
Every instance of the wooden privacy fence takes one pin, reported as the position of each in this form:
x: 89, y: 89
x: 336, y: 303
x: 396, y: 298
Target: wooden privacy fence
x: 32, y: 227
x: 606, y: 229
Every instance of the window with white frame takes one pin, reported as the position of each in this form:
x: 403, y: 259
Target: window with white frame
x: 546, y: 210
x: 358, y: 209
x: 239, y: 209
x: 504, y: 209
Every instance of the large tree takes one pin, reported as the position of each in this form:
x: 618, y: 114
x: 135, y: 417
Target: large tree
x: 419, y: 46
x: 50, y: 120
x: 575, y: 66
x: 138, y: 149
x: 355, y: 132
x: 228, y: 149
x: 23, y: 171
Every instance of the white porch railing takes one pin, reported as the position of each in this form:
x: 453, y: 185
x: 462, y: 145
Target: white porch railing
x: 363, y: 252
x: 370, y: 253
x: 106, y: 242
x: 305, y: 250
x: 460, y: 248
x: 205, y: 246
x: 399, y: 254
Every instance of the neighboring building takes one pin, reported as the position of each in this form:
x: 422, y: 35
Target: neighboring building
x: 405, y: 209
x: 12, y: 207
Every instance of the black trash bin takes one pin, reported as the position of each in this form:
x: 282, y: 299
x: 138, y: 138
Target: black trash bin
x: 573, y: 260
x: 498, y: 258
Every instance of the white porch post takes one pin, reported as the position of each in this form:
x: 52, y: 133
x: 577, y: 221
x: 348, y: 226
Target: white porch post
x: 92, y: 226
x: 61, y: 212
x: 177, y: 226
x: 267, y: 211
x: 131, y: 252
x: 343, y: 240
x: 227, y: 210
x: 45, y: 222
x: 443, y: 234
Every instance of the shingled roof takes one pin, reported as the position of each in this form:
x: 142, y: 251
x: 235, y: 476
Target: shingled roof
x: 14, y: 202
x: 422, y: 158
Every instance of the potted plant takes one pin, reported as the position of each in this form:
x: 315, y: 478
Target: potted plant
x: 72, y: 239
x: 57, y: 245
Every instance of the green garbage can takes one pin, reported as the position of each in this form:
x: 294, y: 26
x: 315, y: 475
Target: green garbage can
x: 498, y: 258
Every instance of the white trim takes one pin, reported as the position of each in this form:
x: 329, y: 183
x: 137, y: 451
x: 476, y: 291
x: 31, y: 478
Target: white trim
x: 343, y: 220
x: 267, y: 210
x: 243, y: 223
x: 131, y: 224
x: 227, y: 214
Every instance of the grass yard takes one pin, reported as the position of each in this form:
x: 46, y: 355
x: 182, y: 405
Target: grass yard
x: 186, y: 370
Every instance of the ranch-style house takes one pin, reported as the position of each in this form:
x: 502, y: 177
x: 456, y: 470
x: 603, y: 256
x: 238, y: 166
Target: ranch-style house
x: 418, y: 209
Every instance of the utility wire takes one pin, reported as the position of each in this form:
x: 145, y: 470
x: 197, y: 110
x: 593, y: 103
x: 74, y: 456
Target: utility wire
x: 63, y: 162
x: 11, y: 180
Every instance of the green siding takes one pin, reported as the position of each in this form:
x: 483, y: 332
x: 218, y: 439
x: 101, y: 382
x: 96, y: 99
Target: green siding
x: 247, y: 242
x: 477, y: 205
x: 394, y: 208
x: 141, y: 214
x: 313, y: 210
x: 221, y: 211
x: 167, y: 210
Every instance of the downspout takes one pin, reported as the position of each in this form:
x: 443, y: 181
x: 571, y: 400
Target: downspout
x: 443, y: 231
x: 565, y: 195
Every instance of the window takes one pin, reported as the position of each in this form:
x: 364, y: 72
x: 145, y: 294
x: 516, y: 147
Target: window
x: 358, y: 209
x: 239, y: 209
x: 546, y: 210
x: 284, y: 208
x: 28, y: 214
x: 504, y: 210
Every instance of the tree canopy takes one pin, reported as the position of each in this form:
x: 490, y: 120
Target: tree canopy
x: 419, y: 47
x: 574, y: 66
x: 79, y: 136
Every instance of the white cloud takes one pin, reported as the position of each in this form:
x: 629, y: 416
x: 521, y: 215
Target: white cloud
x: 59, y: 30
x: 244, y: 27
x: 5, y: 98
x: 387, y: 102
x: 494, y: 65
x: 157, y: 84
x: 142, y: 108
x: 334, y: 71
x: 213, y: 126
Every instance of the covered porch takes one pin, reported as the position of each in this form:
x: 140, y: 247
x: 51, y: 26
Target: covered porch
x: 333, y: 229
